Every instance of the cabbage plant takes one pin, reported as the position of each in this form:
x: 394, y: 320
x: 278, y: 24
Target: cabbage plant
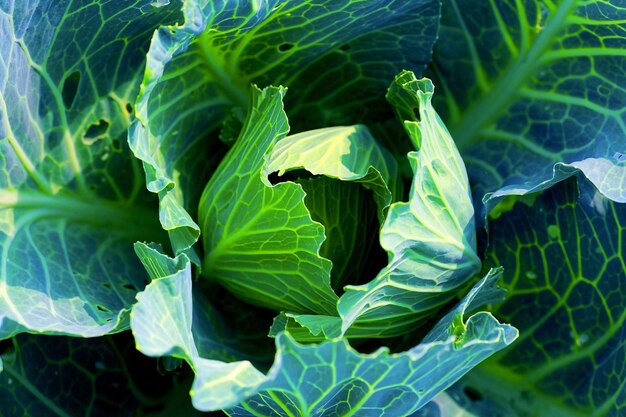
x: 312, y: 208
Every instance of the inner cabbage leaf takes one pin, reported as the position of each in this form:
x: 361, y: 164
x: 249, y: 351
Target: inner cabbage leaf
x: 197, y: 72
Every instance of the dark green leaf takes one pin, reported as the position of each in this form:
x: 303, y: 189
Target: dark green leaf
x: 338, y: 57
x: 534, y: 91
x: 326, y: 377
x: 72, y: 199
x: 566, y: 262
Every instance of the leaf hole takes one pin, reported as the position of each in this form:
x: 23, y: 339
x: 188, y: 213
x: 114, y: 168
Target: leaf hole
x: 345, y: 47
x: 129, y: 108
x: 96, y: 131
x: 130, y: 287
x: 103, y: 309
x: 107, y: 285
x: 284, y: 47
x: 473, y: 394
x: 70, y: 88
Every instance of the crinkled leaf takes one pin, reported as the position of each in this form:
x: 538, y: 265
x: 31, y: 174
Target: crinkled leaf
x: 336, y: 56
x: 348, y: 153
x: 431, y: 239
x: 351, y: 154
x: 314, y: 377
x: 333, y: 379
x: 221, y: 329
x: 259, y: 239
x: 565, y: 261
x: 535, y: 91
x: 72, y: 199
x: 161, y: 322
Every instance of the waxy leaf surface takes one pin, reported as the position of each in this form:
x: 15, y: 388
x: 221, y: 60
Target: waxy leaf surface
x: 72, y: 199
x: 534, y: 91
x: 337, y: 57
x: 329, y: 377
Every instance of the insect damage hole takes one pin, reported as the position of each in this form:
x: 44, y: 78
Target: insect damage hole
x: 96, y: 131
x: 70, y: 88
x: 284, y: 47
x: 103, y: 309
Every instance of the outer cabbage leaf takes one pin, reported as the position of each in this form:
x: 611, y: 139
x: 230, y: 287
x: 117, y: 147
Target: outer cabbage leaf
x: 535, y: 91
x: 332, y: 379
x: 323, y: 50
x: 259, y: 239
x: 431, y: 239
x: 72, y: 198
x: 333, y: 370
x: 566, y: 264
x: 96, y: 377
x: 161, y: 322
x: 43, y: 376
x: 62, y: 376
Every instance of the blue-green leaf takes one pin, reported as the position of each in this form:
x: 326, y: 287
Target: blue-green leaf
x: 534, y: 92
x: 565, y: 261
x: 43, y: 375
x: 333, y: 379
x: 97, y: 377
x: 65, y: 377
x: 198, y: 71
x: 72, y: 198
x: 314, y: 377
x: 161, y: 322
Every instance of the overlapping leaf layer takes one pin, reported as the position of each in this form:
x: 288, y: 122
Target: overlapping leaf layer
x: 208, y: 173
